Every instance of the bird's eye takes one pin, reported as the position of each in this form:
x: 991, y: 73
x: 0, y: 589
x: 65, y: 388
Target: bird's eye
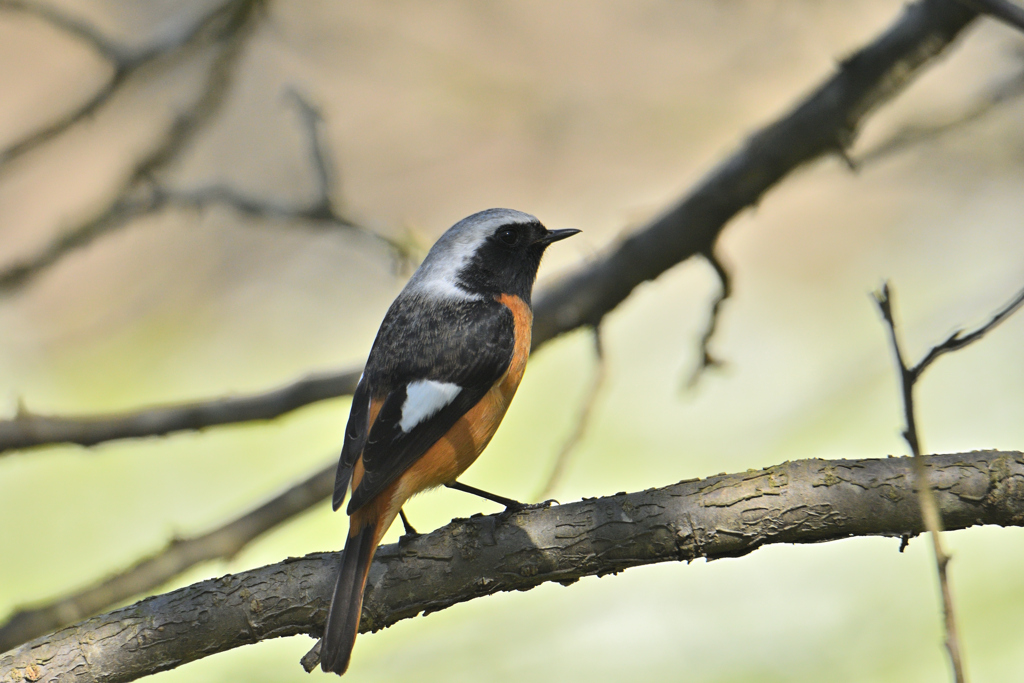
x: 508, y: 236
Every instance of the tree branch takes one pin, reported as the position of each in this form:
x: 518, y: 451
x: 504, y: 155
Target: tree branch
x: 235, y: 30
x: 124, y: 60
x: 181, y: 554
x: 1005, y: 11
x: 908, y: 136
x: 806, y: 501
x: 824, y: 122
x: 27, y: 430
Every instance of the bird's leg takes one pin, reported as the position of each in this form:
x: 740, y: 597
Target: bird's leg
x: 500, y: 500
x: 409, y: 530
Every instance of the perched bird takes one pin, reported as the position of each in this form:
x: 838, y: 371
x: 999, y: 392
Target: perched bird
x: 446, y: 362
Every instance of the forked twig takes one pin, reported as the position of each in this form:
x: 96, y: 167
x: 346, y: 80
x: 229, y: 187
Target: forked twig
x: 926, y: 496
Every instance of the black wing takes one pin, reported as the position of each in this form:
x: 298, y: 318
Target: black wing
x: 470, y: 346
x: 355, y: 437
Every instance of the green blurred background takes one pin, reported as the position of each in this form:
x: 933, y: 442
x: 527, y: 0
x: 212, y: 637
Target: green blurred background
x: 592, y: 115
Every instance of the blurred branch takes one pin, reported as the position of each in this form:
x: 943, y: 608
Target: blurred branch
x: 582, y: 420
x: 929, y: 505
x: 707, y: 360
x: 237, y: 27
x: 180, y: 555
x: 1004, y: 10
x: 27, y: 430
x: 824, y: 122
x: 124, y: 61
x: 1008, y: 91
x: 806, y: 501
x: 322, y: 210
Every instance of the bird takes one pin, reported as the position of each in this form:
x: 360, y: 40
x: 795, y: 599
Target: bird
x: 441, y: 373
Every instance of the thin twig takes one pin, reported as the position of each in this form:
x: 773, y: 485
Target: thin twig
x: 707, y: 360
x: 180, y: 555
x: 909, y: 375
x: 1008, y: 12
x: 127, y: 205
x: 909, y: 136
x: 124, y: 61
x: 804, y: 501
x: 322, y: 210
x: 582, y: 420
x: 959, y: 340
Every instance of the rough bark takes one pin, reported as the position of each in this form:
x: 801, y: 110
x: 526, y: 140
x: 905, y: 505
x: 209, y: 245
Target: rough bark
x: 806, y: 501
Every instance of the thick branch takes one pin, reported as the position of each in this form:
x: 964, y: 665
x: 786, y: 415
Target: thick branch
x: 223, y: 542
x: 824, y: 122
x: 806, y: 501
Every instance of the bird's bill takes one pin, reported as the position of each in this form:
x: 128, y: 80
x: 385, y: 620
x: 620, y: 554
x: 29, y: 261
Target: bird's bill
x: 555, y: 235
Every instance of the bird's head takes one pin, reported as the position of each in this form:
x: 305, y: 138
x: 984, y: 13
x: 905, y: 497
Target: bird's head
x: 493, y: 252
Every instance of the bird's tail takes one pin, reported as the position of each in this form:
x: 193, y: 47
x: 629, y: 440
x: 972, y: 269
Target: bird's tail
x: 347, y: 601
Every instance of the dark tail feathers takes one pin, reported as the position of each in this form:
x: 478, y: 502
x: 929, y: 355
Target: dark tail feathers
x: 347, y: 601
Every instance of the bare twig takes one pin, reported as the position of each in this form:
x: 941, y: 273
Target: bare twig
x: 909, y: 136
x: 181, y: 554
x: 322, y: 210
x: 582, y: 420
x: 959, y: 339
x: 1004, y: 10
x: 124, y: 61
x: 237, y: 27
x: 824, y: 122
x: 806, y: 501
x: 929, y: 506
x: 707, y: 360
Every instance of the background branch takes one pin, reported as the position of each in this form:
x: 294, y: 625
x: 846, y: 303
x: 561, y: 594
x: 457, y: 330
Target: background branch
x: 124, y: 60
x: 27, y: 430
x: 806, y: 501
x: 824, y: 122
x: 909, y: 136
x: 1005, y: 11
x: 127, y: 204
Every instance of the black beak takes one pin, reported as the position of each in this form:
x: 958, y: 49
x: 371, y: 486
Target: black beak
x: 555, y: 235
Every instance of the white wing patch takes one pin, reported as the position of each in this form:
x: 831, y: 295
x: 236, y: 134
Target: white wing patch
x: 423, y: 399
